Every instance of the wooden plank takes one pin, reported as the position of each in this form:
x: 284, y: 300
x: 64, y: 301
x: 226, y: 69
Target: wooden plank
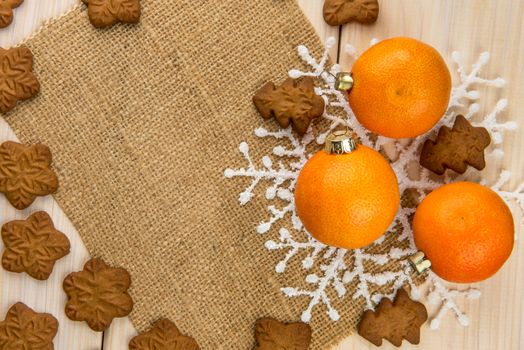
x: 117, y: 337
x: 470, y: 27
x: 43, y: 296
x: 30, y: 16
x: 313, y: 11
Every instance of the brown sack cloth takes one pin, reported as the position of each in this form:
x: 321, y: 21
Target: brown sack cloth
x: 142, y: 120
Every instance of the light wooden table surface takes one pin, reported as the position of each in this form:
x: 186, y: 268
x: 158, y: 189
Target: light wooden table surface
x: 468, y: 26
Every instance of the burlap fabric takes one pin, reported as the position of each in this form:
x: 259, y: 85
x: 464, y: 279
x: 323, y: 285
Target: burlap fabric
x: 142, y: 121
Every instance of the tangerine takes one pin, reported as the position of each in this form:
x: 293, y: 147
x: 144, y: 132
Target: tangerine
x: 466, y: 230
x: 347, y: 200
x: 401, y: 88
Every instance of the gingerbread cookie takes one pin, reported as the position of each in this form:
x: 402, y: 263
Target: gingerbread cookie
x: 105, y: 13
x: 271, y: 334
x: 98, y: 294
x: 17, y: 81
x: 6, y: 11
x: 339, y: 12
x: 25, y: 173
x: 456, y: 148
x: 33, y: 246
x: 163, y: 336
x: 294, y: 102
x: 25, y: 329
x: 394, y: 321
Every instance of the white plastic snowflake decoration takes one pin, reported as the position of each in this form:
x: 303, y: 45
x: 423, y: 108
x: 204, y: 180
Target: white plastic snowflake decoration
x: 335, y: 271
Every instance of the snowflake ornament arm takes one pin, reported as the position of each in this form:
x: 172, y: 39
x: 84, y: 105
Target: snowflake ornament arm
x: 267, y: 172
x: 283, y: 179
x: 330, y: 278
x: 293, y: 248
x: 440, y: 293
x: 516, y: 196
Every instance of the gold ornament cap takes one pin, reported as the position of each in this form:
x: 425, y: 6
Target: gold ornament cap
x: 343, y: 81
x: 340, y: 142
x: 419, y: 262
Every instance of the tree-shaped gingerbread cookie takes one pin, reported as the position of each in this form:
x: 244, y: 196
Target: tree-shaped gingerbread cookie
x: 456, y: 148
x: 394, y: 321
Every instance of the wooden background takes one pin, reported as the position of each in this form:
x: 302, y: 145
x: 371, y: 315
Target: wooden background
x: 469, y: 26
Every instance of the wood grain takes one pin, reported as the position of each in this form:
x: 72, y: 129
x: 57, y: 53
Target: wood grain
x: 468, y: 26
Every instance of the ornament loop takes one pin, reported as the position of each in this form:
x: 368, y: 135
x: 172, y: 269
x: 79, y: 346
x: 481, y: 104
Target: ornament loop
x: 340, y: 142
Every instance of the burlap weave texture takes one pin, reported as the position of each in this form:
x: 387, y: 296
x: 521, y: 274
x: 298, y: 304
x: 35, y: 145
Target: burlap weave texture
x: 142, y: 121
